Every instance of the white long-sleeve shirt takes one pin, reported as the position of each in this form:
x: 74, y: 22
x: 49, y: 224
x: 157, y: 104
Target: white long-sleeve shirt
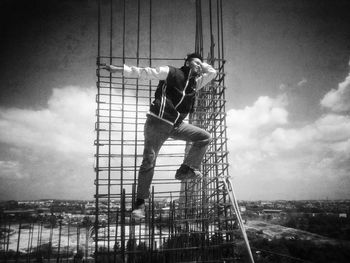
x: 161, y: 73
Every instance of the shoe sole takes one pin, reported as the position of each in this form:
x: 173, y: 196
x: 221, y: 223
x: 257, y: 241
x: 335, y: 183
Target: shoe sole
x: 137, y: 217
x: 188, y: 178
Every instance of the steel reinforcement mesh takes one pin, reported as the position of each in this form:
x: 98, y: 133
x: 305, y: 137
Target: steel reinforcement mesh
x: 188, y: 221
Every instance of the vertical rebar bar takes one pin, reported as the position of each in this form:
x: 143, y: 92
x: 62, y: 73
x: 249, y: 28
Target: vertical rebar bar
x: 59, y: 241
x: 110, y: 129
x: 32, y: 238
x: 50, y: 240
x: 122, y: 225
x: 123, y: 104
x: 87, y: 241
x: 18, y: 239
x: 28, y: 243
x: 78, y: 239
x: 116, y: 234
x: 218, y: 32
x: 137, y: 91
x: 152, y: 225
x: 68, y: 240
x: 39, y: 239
x: 97, y: 130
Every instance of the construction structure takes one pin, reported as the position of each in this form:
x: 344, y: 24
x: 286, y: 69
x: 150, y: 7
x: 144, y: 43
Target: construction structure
x: 188, y: 221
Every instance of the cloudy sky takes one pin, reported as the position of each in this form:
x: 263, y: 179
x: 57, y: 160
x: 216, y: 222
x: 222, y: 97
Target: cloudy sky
x: 288, y: 95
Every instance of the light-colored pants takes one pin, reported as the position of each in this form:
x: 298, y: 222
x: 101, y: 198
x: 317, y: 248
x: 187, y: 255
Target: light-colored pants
x: 156, y: 132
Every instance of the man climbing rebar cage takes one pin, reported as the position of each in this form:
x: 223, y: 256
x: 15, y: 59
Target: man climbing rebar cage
x: 174, y: 100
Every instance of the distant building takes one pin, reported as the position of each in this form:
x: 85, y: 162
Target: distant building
x: 343, y: 215
x: 267, y: 203
x: 272, y: 211
x: 22, y: 212
x: 44, y: 211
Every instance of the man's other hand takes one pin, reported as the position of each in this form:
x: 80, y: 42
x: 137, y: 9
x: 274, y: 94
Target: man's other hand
x: 112, y: 69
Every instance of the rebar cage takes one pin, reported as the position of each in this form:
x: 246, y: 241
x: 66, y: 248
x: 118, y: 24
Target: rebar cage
x: 188, y: 221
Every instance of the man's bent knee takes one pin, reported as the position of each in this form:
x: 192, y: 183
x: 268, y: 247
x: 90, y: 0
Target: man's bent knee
x: 204, y: 142
x: 148, y: 161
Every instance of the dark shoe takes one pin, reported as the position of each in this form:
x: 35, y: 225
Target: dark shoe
x: 185, y: 173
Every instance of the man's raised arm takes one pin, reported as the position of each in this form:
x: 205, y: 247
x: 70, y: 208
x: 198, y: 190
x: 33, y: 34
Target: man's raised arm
x: 147, y: 73
x: 208, y: 73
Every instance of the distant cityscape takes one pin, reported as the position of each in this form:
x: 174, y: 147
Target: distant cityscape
x: 307, y: 229
x: 77, y: 210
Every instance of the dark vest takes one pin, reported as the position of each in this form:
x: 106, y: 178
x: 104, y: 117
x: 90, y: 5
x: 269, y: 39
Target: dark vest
x: 174, y: 97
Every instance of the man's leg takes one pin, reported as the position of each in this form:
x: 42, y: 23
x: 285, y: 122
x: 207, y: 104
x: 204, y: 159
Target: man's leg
x: 156, y: 132
x: 199, y: 139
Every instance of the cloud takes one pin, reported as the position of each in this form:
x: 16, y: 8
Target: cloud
x: 65, y: 127
x: 273, y: 158
x: 293, y: 87
x: 265, y: 114
x: 338, y: 100
x: 12, y: 169
x: 302, y: 83
x: 49, y: 152
x: 249, y: 126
